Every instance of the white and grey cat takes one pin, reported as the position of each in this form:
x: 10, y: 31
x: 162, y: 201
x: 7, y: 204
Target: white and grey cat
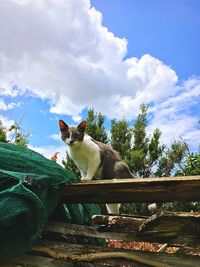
x: 94, y: 159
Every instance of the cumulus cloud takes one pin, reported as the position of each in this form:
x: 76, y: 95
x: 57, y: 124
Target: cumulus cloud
x: 175, y: 118
x: 4, y: 106
x: 55, y: 137
x: 6, y: 121
x: 59, y: 50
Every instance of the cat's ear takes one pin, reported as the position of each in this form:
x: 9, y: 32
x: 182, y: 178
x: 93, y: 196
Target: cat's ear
x: 63, y: 125
x: 81, y: 126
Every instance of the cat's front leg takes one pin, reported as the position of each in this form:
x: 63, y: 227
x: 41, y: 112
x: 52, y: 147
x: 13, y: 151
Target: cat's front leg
x: 82, y: 175
x: 86, y: 177
x: 91, y: 171
x: 89, y: 176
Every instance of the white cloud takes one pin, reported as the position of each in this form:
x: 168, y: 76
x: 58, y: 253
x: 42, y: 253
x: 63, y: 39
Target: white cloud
x: 55, y: 137
x: 60, y: 50
x: 6, y: 121
x: 174, y: 117
x: 7, y: 89
x: 4, y: 106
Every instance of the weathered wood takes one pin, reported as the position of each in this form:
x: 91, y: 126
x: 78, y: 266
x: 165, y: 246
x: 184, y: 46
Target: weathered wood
x: 126, y: 223
x: 182, y: 222
x: 134, y: 190
x: 34, y: 261
x: 173, y: 228
x: 84, y: 253
x: 176, y: 228
x: 89, y: 231
x: 163, y: 248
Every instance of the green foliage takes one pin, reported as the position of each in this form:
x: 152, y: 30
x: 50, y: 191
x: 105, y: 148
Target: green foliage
x: 18, y: 137
x: 155, y: 149
x: 139, y: 131
x: 146, y: 151
x: 146, y: 157
x: 69, y: 165
x: 135, y: 208
x: 3, y: 137
x: 95, y: 126
x: 121, y: 138
x: 172, y: 160
x: 191, y: 166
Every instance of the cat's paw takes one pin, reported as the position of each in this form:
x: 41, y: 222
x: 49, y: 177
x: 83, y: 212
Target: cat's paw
x: 85, y: 179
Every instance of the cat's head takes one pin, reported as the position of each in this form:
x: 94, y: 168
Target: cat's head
x: 72, y: 135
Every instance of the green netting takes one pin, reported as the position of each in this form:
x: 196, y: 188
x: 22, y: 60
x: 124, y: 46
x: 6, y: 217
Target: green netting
x: 30, y: 189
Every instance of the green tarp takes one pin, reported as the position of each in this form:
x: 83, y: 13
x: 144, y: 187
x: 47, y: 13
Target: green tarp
x: 30, y: 189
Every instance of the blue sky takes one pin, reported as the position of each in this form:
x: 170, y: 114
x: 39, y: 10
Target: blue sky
x: 168, y: 30
x: 57, y: 58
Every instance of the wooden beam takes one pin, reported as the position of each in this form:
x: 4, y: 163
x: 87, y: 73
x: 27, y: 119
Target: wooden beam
x: 84, y: 253
x: 177, y: 228
x: 89, y: 231
x: 34, y: 261
x: 166, y: 189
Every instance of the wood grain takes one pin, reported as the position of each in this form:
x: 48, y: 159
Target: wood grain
x: 166, y: 189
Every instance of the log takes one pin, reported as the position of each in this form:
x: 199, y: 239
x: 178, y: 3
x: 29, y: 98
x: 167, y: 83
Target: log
x: 119, y: 223
x: 173, y: 227
x: 34, y: 261
x: 158, y: 190
x: 89, y: 231
x: 84, y: 253
x: 176, y: 229
x: 180, y: 222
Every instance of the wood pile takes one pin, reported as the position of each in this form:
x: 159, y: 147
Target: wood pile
x: 163, y: 239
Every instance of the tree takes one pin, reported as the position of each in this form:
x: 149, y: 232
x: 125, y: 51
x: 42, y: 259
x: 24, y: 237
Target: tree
x: 121, y: 138
x: 191, y: 165
x: 18, y: 136
x: 3, y: 137
x: 172, y: 159
x: 70, y: 166
x: 146, y: 150
x: 95, y: 127
x: 145, y: 155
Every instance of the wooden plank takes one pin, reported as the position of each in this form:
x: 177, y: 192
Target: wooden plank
x: 85, y: 253
x: 172, y: 228
x: 34, y: 261
x: 89, y: 231
x: 175, y: 228
x: 180, y: 222
x: 134, y: 190
x: 119, y: 222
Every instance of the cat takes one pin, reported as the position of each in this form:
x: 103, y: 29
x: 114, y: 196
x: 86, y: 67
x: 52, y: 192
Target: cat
x: 94, y: 159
